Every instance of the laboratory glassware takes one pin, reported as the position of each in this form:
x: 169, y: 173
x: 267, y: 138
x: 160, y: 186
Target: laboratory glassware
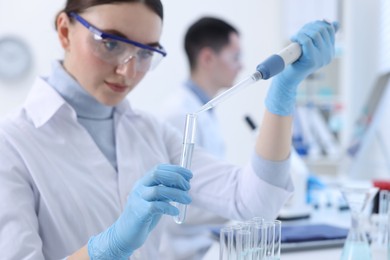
x: 255, y: 239
x: 186, y: 158
x: 356, y: 246
x: 230, y: 247
x: 226, y: 243
x: 273, y: 230
x: 380, y: 227
x: 243, y: 238
x: 258, y: 241
x: 234, y: 250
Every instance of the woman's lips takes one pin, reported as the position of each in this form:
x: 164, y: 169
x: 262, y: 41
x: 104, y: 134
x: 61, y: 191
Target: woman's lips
x: 116, y: 87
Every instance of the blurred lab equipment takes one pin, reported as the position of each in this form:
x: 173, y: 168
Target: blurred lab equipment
x: 380, y: 227
x: 356, y: 245
x: 368, y: 156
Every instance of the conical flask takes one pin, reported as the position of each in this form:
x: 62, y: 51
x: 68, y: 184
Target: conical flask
x: 356, y: 245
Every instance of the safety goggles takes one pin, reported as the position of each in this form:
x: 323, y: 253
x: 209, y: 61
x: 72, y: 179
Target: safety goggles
x: 117, y: 50
x: 232, y: 59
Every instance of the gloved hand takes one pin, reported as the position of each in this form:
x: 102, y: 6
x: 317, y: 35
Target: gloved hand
x: 147, y: 202
x: 317, y: 42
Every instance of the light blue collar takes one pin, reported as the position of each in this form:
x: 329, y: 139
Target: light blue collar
x: 199, y: 93
x: 83, y: 103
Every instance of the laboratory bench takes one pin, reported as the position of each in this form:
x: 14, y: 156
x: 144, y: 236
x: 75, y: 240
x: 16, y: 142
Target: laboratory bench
x: 318, y: 254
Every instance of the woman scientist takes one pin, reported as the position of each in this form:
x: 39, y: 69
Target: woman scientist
x: 84, y: 176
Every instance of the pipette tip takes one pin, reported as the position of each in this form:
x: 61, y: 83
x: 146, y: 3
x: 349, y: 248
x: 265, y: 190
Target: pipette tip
x: 205, y: 107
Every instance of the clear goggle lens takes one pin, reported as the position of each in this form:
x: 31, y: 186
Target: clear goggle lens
x: 117, y: 53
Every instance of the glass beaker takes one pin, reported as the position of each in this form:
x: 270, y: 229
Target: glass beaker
x: 356, y: 245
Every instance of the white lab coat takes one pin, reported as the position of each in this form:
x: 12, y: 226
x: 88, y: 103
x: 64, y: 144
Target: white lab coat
x: 57, y: 188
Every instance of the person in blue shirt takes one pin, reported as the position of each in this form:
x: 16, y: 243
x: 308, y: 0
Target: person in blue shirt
x: 213, y: 52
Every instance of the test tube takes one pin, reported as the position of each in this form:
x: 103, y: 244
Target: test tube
x: 273, y: 231
x: 243, y: 245
x: 258, y: 220
x: 186, y: 158
x: 234, y: 249
x: 259, y: 241
x: 226, y: 243
x: 278, y: 238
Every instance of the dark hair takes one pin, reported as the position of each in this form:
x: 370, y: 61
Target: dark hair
x: 206, y: 32
x: 78, y: 6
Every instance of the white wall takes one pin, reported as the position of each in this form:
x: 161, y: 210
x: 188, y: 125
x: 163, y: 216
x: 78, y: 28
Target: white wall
x: 33, y: 22
x: 361, y: 56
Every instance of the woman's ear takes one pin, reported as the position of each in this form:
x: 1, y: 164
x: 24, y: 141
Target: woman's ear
x: 62, y: 25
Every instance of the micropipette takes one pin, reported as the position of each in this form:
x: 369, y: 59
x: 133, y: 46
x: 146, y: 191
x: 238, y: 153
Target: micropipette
x: 265, y: 70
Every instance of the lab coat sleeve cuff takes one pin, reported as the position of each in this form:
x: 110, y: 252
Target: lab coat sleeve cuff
x: 273, y: 172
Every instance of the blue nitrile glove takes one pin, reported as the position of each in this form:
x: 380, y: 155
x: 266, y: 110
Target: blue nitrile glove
x: 147, y: 202
x: 317, y: 41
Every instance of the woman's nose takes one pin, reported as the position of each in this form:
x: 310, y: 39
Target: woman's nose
x: 128, y: 69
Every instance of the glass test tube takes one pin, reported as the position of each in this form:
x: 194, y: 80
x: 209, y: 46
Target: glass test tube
x: 186, y: 158
x: 243, y: 245
x: 259, y: 241
x: 226, y: 236
x: 273, y: 239
x: 234, y: 250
